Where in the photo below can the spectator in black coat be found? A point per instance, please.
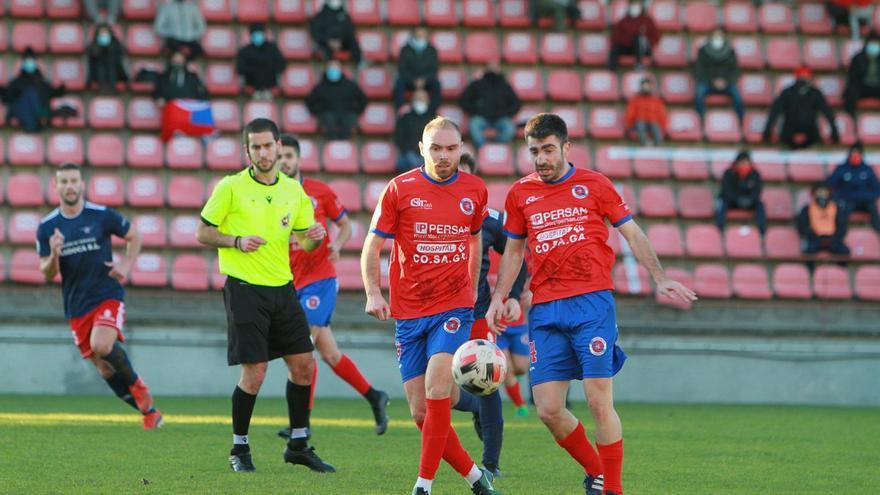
(333, 31)
(417, 68)
(408, 131)
(177, 82)
(855, 188)
(28, 96)
(716, 71)
(105, 60)
(816, 223)
(260, 63)
(559, 10)
(741, 189)
(336, 102)
(799, 105)
(863, 78)
(491, 103)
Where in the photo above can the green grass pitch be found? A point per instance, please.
(94, 445)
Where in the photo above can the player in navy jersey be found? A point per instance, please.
(74, 240)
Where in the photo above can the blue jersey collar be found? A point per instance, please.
(433, 181)
(564, 177)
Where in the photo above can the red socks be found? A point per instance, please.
(438, 418)
(513, 391)
(578, 446)
(348, 371)
(612, 459)
(314, 386)
(455, 454)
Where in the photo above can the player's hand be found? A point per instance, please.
(334, 253)
(118, 269)
(316, 232)
(525, 299)
(495, 316)
(377, 307)
(674, 290)
(250, 243)
(56, 241)
(512, 310)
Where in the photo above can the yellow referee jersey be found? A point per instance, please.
(242, 206)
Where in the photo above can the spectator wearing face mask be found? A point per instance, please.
(817, 223)
(181, 26)
(28, 96)
(863, 78)
(336, 101)
(716, 71)
(855, 188)
(417, 68)
(105, 60)
(333, 32)
(491, 103)
(260, 63)
(408, 131)
(741, 187)
(634, 34)
(646, 114)
(103, 11)
(175, 84)
(799, 105)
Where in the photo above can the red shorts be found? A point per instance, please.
(110, 313)
(480, 330)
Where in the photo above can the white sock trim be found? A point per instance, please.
(299, 433)
(423, 483)
(474, 475)
(239, 439)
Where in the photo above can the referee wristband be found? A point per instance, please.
(238, 242)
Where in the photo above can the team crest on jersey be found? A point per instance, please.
(452, 325)
(313, 302)
(285, 221)
(598, 346)
(467, 206)
(580, 191)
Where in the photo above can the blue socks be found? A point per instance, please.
(492, 423)
(119, 386)
(467, 403)
(119, 360)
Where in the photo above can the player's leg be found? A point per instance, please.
(609, 433)
(516, 349)
(114, 380)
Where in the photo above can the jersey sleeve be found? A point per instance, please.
(217, 207)
(612, 206)
(305, 213)
(334, 208)
(385, 218)
(115, 223)
(514, 221)
(482, 207)
(43, 235)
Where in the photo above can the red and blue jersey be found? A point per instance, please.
(309, 267)
(85, 279)
(564, 223)
(431, 223)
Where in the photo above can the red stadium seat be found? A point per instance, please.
(481, 47)
(258, 11)
(756, 89)
(863, 244)
(183, 231)
(777, 201)
(340, 157)
(564, 85)
(666, 15)
(365, 12)
(139, 9)
(221, 79)
(356, 241)
(218, 280)
(372, 193)
(308, 156)
(295, 44)
(528, 84)
(184, 152)
(149, 270)
(376, 82)
(792, 281)
(867, 282)
(813, 19)
(141, 39)
(152, 229)
(186, 191)
(189, 272)
(70, 72)
(65, 147)
(749, 53)
(4, 46)
(296, 118)
(631, 279)
(297, 80)
(700, 16)
(478, 13)
(845, 128)
(821, 54)
(783, 54)
(105, 189)
(684, 125)
(144, 152)
(453, 80)
(606, 123)
(703, 241)
(449, 47)
(689, 166)
(722, 126)
(495, 159)
(289, 11)
(378, 118)
(753, 126)
(25, 189)
(557, 48)
(666, 239)
(593, 49)
(670, 52)
(374, 45)
(592, 15)
(66, 37)
(831, 282)
(349, 193)
(226, 115)
(657, 200)
(497, 194)
(579, 155)
(782, 243)
(776, 18)
(105, 150)
(574, 119)
(869, 128)
(440, 13)
(677, 87)
(750, 282)
(216, 10)
(28, 34)
(832, 86)
(696, 202)
(224, 154)
(601, 85)
(806, 167)
(143, 64)
(25, 149)
(348, 273)
(25, 266)
(378, 157)
(457, 115)
(143, 113)
(403, 12)
(514, 13)
(106, 112)
(23, 227)
(743, 241)
(679, 275)
(25, 8)
(740, 17)
(520, 48)
(712, 281)
(260, 109)
(648, 164)
(613, 162)
(782, 82)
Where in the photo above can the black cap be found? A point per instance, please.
(743, 155)
(857, 146)
(257, 26)
(29, 52)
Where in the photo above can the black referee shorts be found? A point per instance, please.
(265, 323)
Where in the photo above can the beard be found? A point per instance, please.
(71, 202)
(550, 171)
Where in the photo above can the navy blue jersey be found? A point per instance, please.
(494, 238)
(85, 279)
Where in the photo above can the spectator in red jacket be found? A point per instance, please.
(634, 34)
(646, 113)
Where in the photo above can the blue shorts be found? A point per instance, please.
(516, 339)
(420, 338)
(574, 338)
(318, 300)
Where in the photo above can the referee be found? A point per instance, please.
(250, 217)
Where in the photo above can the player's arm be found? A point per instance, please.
(307, 232)
(511, 264)
(475, 248)
(645, 254)
(344, 225)
(310, 238)
(50, 265)
(371, 274)
(133, 242)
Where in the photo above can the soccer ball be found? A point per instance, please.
(479, 367)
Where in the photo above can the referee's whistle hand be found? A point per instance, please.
(378, 308)
(251, 243)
